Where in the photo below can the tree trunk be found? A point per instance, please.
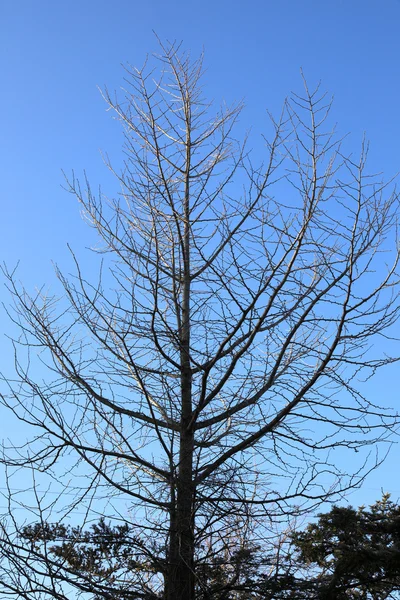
(180, 578)
(180, 570)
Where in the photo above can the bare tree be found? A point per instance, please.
(210, 373)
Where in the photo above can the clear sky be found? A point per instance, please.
(54, 54)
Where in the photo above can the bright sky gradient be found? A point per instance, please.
(54, 54)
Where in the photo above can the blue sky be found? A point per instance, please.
(54, 54)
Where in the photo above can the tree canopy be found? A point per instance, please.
(206, 385)
(353, 553)
(346, 554)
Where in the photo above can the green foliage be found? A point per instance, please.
(102, 553)
(352, 554)
(347, 554)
